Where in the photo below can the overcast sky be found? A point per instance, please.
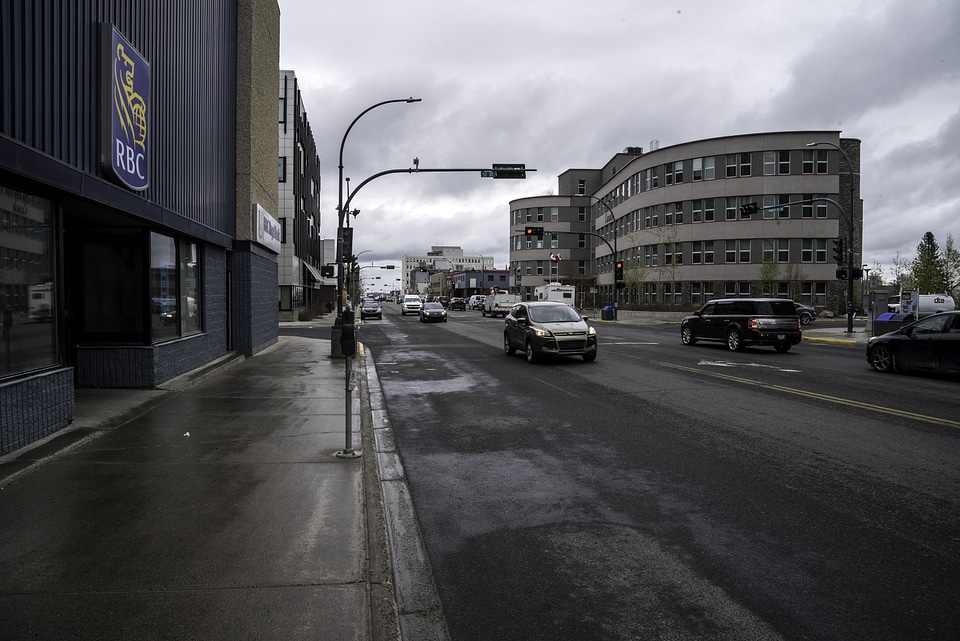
(565, 84)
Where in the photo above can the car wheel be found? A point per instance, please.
(881, 359)
(805, 319)
(590, 356)
(531, 355)
(782, 347)
(734, 340)
(686, 336)
(508, 349)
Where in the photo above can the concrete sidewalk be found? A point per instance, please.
(216, 508)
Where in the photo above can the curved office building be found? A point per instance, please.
(677, 218)
(138, 195)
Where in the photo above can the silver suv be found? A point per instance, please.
(548, 328)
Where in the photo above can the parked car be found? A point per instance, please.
(457, 303)
(433, 312)
(739, 322)
(806, 313)
(411, 305)
(931, 343)
(371, 309)
(548, 328)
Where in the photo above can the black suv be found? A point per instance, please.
(739, 322)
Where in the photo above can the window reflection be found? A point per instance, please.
(28, 292)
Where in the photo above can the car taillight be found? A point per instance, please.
(753, 323)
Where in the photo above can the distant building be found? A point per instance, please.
(298, 175)
(416, 269)
(673, 217)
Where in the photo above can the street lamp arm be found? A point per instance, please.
(343, 142)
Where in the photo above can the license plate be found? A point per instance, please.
(781, 337)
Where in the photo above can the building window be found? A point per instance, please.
(539, 214)
(730, 251)
(678, 213)
(767, 251)
(282, 169)
(678, 172)
(668, 174)
(806, 210)
(782, 201)
(697, 214)
(746, 167)
(783, 250)
(540, 267)
(821, 250)
(806, 251)
(554, 214)
(708, 252)
(582, 241)
(821, 161)
(730, 212)
(743, 253)
(29, 289)
(283, 110)
(821, 209)
(731, 165)
(696, 253)
(668, 214)
(581, 187)
(697, 169)
(678, 253)
(668, 254)
(709, 172)
(807, 165)
(708, 211)
(769, 163)
(582, 214)
(783, 164)
(730, 289)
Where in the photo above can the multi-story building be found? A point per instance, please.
(673, 218)
(138, 196)
(440, 258)
(298, 176)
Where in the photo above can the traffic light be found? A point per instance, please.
(842, 273)
(838, 253)
(510, 171)
(534, 231)
(747, 209)
(618, 271)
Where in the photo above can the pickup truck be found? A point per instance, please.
(499, 304)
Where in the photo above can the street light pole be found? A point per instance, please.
(850, 219)
(340, 210)
(616, 253)
(349, 375)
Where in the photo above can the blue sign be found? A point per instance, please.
(126, 99)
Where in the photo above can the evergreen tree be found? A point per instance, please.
(951, 259)
(929, 268)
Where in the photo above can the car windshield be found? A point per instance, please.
(554, 314)
(430, 306)
(371, 304)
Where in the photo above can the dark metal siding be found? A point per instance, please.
(50, 93)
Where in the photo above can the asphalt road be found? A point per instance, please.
(671, 492)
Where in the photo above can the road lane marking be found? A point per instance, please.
(821, 397)
(559, 389)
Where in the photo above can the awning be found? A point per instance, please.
(313, 271)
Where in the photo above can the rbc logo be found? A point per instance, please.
(128, 78)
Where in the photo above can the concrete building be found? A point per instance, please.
(138, 196)
(672, 216)
(440, 258)
(298, 174)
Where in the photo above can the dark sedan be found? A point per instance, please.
(457, 303)
(931, 344)
(433, 312)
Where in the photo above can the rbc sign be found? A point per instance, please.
(125, 100)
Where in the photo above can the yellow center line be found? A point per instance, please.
(821, 397)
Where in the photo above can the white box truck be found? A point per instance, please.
(920, 305)
(499, 304)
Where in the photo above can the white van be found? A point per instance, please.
(921, 305)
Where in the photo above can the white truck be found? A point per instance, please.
(920, 305)
(557, 292)
(499, 303)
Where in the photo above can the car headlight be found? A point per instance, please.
(541, 333)
(592, 331)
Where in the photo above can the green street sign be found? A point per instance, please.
(488, 173)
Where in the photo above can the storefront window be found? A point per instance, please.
(164, 286)
(28, 290)
(174, 288)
